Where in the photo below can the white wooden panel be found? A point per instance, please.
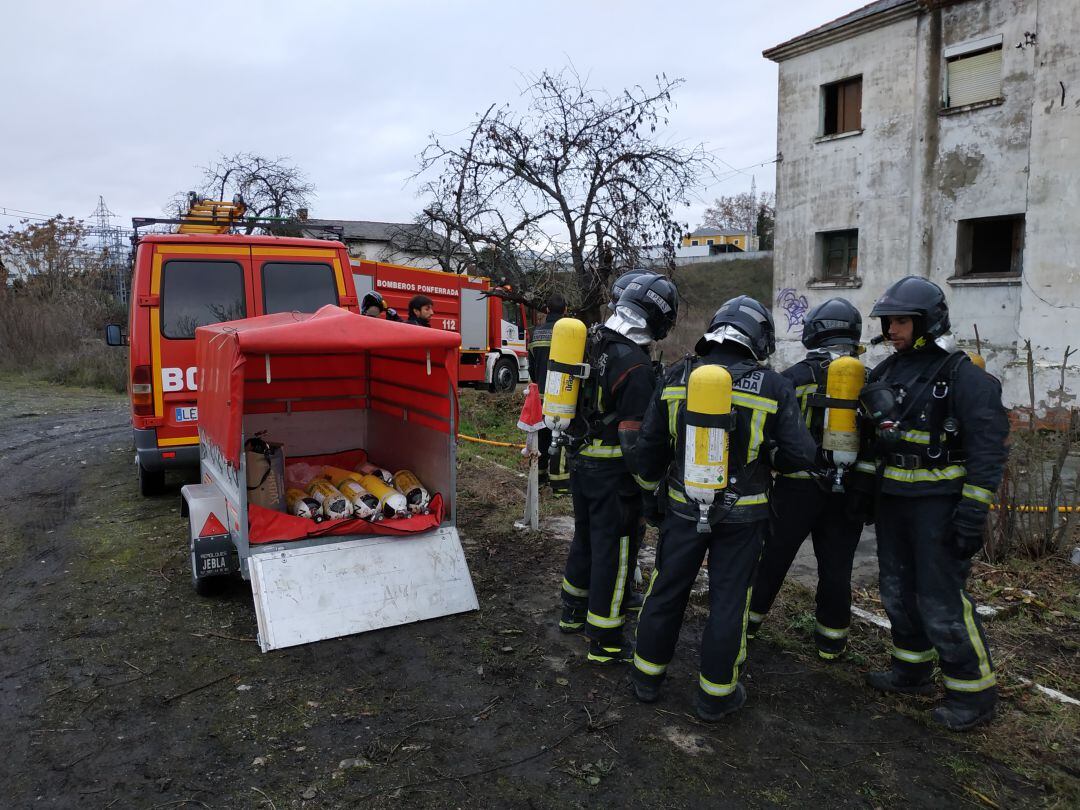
(306, 594)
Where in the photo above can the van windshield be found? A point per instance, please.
(297, 286)
(197, 293)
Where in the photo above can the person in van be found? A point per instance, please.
(374, 305)
(421, 308)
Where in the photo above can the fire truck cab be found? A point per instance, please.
(492, 329)
(199, 276)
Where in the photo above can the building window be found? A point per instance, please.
(990, 246)
(842, 106)
(839, 254)
(708, 241)
(973, 72)
(693, 242)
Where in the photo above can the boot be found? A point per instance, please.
(646, 687)
(710, 709)
(961, 711)
(752, 627)
(893, 681)
(603, 653)
(829, 649)
(573, 619)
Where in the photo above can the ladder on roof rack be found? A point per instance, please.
(211, 216)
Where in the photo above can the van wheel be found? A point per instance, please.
(150, 483)
(504, 377)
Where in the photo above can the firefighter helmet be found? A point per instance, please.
(652, 299)
(745, 321)
(918, 298)
(835, 322)
(372, 299)
(619, 287)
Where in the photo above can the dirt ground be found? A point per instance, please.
(119, 687)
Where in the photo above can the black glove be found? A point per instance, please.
(859, 507)
(651, 509)
(968, 523)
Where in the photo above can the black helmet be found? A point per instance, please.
(653, 298)
(619, 287)
(372, 299)
(918, 298)
(752, 327)
(835, 322)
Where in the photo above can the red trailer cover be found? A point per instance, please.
(322, 356)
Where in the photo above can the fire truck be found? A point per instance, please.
(492, 329)
(203, 274)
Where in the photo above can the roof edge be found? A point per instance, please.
(812, 41)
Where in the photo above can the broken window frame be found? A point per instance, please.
(970, 244)
(842, 245)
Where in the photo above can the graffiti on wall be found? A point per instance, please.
(794, 307)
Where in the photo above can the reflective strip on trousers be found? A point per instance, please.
(570, 589)
(913, 656)
(835, 633)
(620, 577)
(648, 486)
(648, 667)
(604, 622)
(976, 639)
(959, 685)
(598, 450)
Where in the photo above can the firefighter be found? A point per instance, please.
(619, 286)
(421, 308)
(805, 503)
(765, 430)
(934, 456)
(607, 500)
(374, 305)
(552, 467)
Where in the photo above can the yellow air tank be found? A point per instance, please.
(708, 409)
(978, 360)
(562, 386)
(844, 381)
(392, 502)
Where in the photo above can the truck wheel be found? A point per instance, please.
(504, 377)
(150, 483)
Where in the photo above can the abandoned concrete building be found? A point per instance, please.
(938, 138)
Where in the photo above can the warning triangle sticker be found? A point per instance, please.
(212, 526)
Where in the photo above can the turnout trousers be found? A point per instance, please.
(801, 508)
(922, 589)
(733, 550)
(600, 565)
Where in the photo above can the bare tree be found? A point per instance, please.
(270, 187)
(742, 212)
(578, 176)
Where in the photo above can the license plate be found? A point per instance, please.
(188, 414)
(214, 563)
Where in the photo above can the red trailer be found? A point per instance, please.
(333, 388)
(493, 330)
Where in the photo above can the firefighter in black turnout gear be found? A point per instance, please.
(768, 432)
(805, 503)
(553, 469)
(934, 456)
(607, 499)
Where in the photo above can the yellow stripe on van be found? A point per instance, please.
(338, 278)
(175, 441)
(202, 250)
(321, 253)
(155, 337)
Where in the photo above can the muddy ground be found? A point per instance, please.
(119, 687)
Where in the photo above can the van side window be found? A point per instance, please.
(297, 287)
(197, 293)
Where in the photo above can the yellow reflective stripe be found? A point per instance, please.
(755, 402)
(757, 434)
(648, 667)
(716, 689)
(570, 589)
(596, 449)
(745, 500)
(604, 621)
(913, 656)
(675, 392)
(675, 495)
(648, 486)
(620, 577)
(960, 685)
(558, 476)
(950, 473)
(803, 390)
(915, 436)
(742, 639)
(975, 638)
(802, 474)
(979, 494)
(536, 343)
(835, 633)
(865, 466)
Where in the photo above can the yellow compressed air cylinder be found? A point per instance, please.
(844, 380)
(705, 468)
(392, 502)
(561, 388)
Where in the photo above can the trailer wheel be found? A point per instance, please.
(206, 586)
(150, 483)
(504, 377)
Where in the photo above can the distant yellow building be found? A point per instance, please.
(708, 236)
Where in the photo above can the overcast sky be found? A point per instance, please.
(128, 100)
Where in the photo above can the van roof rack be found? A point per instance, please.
(222, 225)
